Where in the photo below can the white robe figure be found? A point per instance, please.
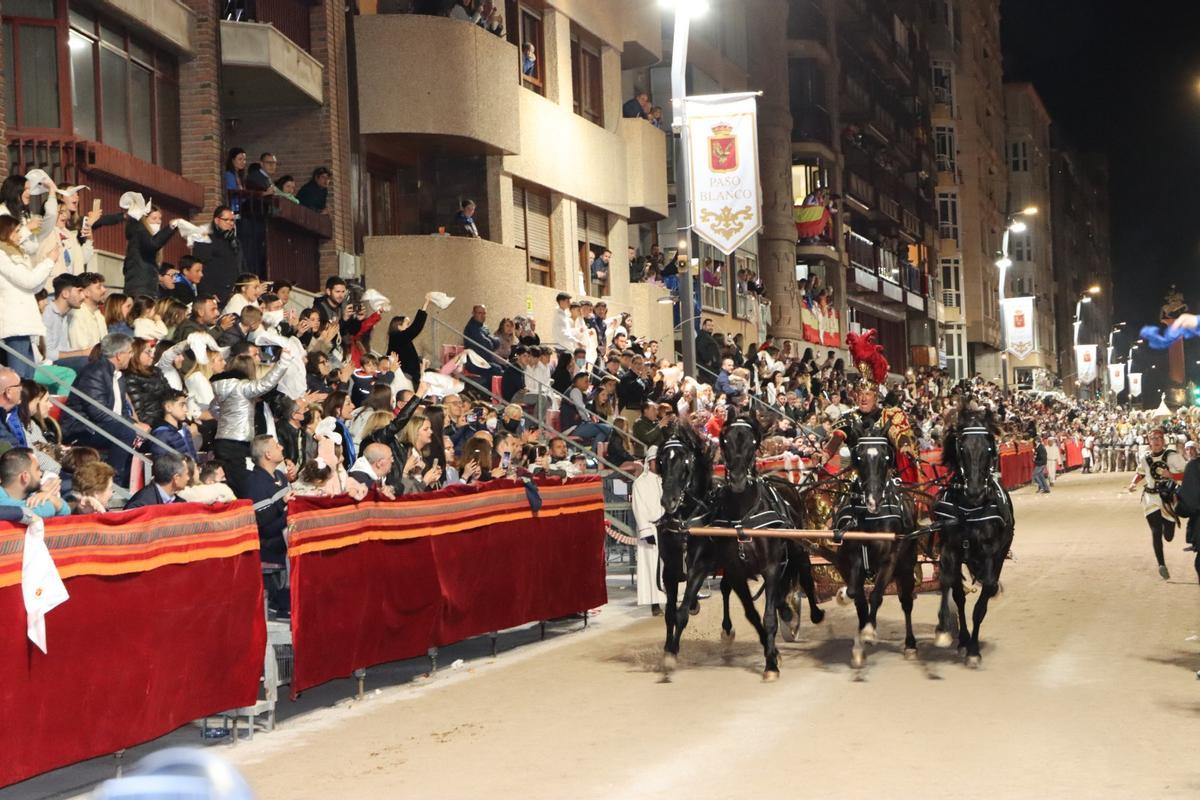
(647, 509)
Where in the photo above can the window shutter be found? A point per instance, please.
(538, 224)
(519, 217)
(597, 225)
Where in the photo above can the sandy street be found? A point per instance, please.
(1087, 689)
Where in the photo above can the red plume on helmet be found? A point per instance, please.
(868, 358)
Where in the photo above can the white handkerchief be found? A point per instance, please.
(41, 586)
(441, 300)
(37, 181)
(442, 385)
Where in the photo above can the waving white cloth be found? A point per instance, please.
(38, 179)
(41, 585)
(193, 234)
(376, 302)
(441, 299)
(135, 205)
(327, 430)
(294, 382)
(441, 385)
(71, 191)
(201, 343)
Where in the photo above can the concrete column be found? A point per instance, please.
(556, 35)
(777, 241)
(199, 108)
(499, 202)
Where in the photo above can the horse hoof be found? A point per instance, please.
(910, 654)
(728, 636)
(943, 640)
(974, 661)
(669, 662)
(868, 633)
(695, 609)
(856, 658)
(789, 630)
(843, 597)
(962, 651)
(770, 675)
(817, 616)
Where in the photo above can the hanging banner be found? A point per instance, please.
(1135, 384)
(721, 131)
(1116, 378)
(1018, 326)
(1085, 363)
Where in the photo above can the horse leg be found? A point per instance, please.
(882, 578)
(771, 624)
(696, 575)
(671, 589)
(960, 600)
(805, 577)
(727, 634)
(906, 584)
(855, 580)
(990, 579)
(950, 571)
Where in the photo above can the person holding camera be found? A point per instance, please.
(1160, 471)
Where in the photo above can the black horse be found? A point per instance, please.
(875, 503)
(744, 501)
(977, 524)
(685, 465)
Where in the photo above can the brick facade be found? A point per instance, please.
(199, 107)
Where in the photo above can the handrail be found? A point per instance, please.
(97, 404)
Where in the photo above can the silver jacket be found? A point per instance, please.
(233, 403)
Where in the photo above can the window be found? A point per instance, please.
(591, 233)
(528, 30)
(531, 232)
(943, 82)
(955, 344)
(951, 283)
(1018, 156)
(714, 279)
(124, 93)
(742, 307)
(1020, 248)
(806, 179)
(31, 65)
(948, 215)
(946, 148)
(586, 79)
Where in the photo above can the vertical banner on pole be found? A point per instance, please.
(1116, 378)
(721, 131)
(1085, 362)
(1135, 384)
(1018, 326)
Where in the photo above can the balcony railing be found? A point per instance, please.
(290, 17)
(289, 240)
(812, 124)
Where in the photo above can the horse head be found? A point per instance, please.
(975, 453)
(874, 461)
(739, 448)
(676, 467)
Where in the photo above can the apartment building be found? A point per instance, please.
(1030, 246)
(447, 111)
(1082, 254)
(861, 93)
(969, 138)
(148, 95)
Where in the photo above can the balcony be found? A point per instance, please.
(169, 21)
(450, 80)
(812, 131)
(808, 30)
(642, 35)
(292, 236)
(645, 170)
(261, 67)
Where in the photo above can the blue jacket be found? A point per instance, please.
(725, 387)
(176, 438)
(45, 509)
(477, 337)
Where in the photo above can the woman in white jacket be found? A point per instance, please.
(75, 258)
(19, 280)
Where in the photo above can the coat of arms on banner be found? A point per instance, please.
(722, 149)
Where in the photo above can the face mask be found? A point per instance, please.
(272, 318)
(580, 363)
(154, 228)
(491, 424)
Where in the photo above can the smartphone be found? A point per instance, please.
(506, 460)
(96, 206)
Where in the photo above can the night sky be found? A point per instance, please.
(1122, 79)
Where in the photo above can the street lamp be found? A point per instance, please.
(1012, 224)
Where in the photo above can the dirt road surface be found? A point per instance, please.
(1086, 689)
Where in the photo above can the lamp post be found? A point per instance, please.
(1084, 297)
(1013, 223)
(684, 11)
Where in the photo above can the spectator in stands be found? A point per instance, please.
(146, 383)
(656, 118)
(577, 419)
(92, 488)
(222, 255)
(235, 392)
(528, 60)
(401, 338)
(464, 220)
(88, 325)
(172, 427)
(104, 382)
(235, 177)
(564, 324)
(78, 252)
(397, 436)
(187, 281)
(268, 487)
(599, 323)
(207, 485)
(23, 484)
(260, 176)
(332, 307)
(638, 106)
(708, 353)
(21, 320)
(168, 274)
(170, 475)
(41, 430)
(68, 296)
(11, 432)
(315, 193)
(246, 291)
(15, 198)
(117, 308)
(479, 339)
(203, 319)
(373, 468)
(144, 238)
(600, 271)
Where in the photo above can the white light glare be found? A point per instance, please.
(1017, 226)
(695, 8)
(1004, 263)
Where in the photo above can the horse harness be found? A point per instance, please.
(995, 507)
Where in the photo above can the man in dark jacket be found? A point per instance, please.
(222, 257)
(512, 381)
(1039, 468)
(1188, 504)
(170, 474)
(478, 339)
(708, 354)
(187, 282)
(648, 430)
(315, 193)
(205, 313)
(268, 488)
(332, 308)
(104, 381)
